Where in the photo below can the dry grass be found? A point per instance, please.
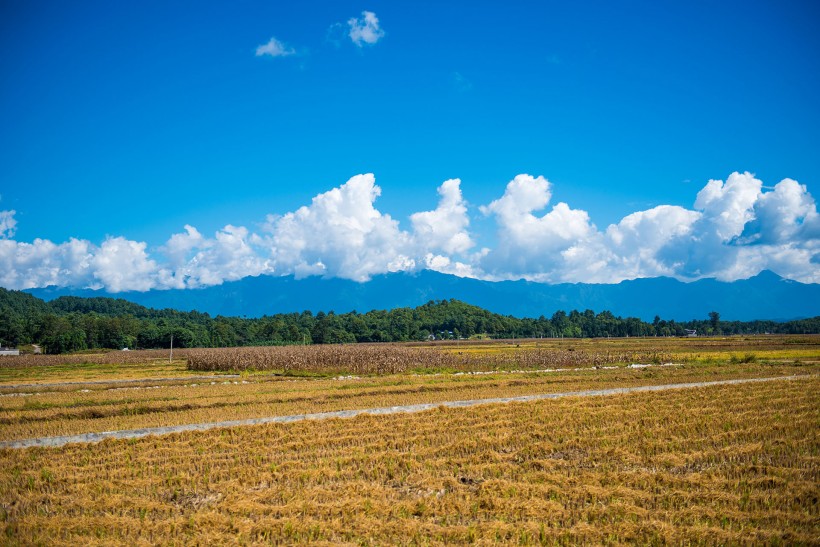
(91, 372)
(718, 465)
(101, 358)
(71, 409)
(728, 465)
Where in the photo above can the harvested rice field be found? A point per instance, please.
(714, 464)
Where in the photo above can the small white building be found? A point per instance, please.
(9, 351)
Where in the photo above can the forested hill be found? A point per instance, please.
(72, 323)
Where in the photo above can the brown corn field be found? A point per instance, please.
(397, 358)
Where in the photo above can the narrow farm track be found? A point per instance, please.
(144, 432)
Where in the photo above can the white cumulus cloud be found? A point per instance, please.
(446, 265)
(531, 246)
(729, 206)
(7, 224)
(735, 229)
(445, 228)
(788, 214)
(43, 263)
(196, 261)
(744, 229)
(365, 29)
(274, 48)
(637, 240)
(123, 265)
(340, 234)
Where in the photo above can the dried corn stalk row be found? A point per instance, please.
(357, 359)
(393, 358)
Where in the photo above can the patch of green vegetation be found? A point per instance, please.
(306, 374)
(433, 370)
(747, 358)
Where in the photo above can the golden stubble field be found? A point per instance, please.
(720, 464)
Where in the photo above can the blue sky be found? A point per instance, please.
(123, 122)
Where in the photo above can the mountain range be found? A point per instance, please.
(765, 296)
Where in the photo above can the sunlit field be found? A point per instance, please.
(716, 464)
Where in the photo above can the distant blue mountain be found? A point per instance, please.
(766, 296)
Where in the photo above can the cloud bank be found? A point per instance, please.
(735, 229)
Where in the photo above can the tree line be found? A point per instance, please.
(72, 323)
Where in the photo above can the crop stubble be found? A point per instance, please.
(729, 464)
(733, 464)
(33, 412)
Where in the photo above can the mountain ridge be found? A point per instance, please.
(765, 296)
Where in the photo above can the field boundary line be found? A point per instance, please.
(129, 381)
(405, 409)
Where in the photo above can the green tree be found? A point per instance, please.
(714, 322)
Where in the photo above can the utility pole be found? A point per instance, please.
(171, 356)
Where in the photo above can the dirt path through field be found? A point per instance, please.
(137, 433)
